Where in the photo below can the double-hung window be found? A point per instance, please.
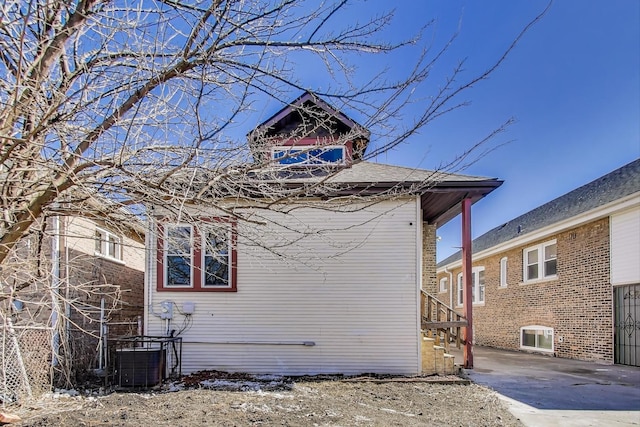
(216, 256)
(201, 258)
(540, 261)
(443, 284)
(503, 272)
(178, 258)
(108, 245)
(477, 285)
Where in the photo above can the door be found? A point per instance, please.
(627, 325)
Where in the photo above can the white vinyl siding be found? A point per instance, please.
(625, 247)
(349, 286)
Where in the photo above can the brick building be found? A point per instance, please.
(562, 279)
(86, 284)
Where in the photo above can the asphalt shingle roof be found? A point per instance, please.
(377, 172)
(370, 173)
(620, 183)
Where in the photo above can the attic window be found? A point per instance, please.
(309, 156)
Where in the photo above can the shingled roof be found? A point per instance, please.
(616, 185)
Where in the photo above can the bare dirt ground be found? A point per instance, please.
(240, 400)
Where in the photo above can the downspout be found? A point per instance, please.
(419, 270)
(466, 278)
(55, 289)
(67, 290)
(148, 285)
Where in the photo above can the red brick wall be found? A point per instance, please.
(92, 278)
(578, 305)
(89, 278)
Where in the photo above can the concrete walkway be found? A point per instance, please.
(549, 391)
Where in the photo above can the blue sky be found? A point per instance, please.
(572, 85)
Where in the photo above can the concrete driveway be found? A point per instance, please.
(548, 391)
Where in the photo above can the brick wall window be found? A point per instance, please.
(536, 337)
(503, 272)
(443, 284)
(199, 258)
(108, 245)
(477, 285)
(540, 262)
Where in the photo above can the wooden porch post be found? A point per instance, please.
(466, 277)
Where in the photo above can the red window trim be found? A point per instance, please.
(196, 269)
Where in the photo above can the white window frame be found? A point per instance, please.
(477, 287)
(104, 238)
(541, 262)
(307, 149)
(166, 255)
(546, 330)
(443, 284)
(204, 254)
(503, 272)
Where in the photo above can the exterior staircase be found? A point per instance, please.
(441, 326)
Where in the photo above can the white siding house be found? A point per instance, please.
(341, 302)
(326, 281)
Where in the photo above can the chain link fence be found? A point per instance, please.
(25, 362)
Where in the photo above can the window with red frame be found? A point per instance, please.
(199, 258)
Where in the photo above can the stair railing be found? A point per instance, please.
(441, 319)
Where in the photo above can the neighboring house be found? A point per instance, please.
(562, 279)
(326, 280)
(90, 287)
(106, 276)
